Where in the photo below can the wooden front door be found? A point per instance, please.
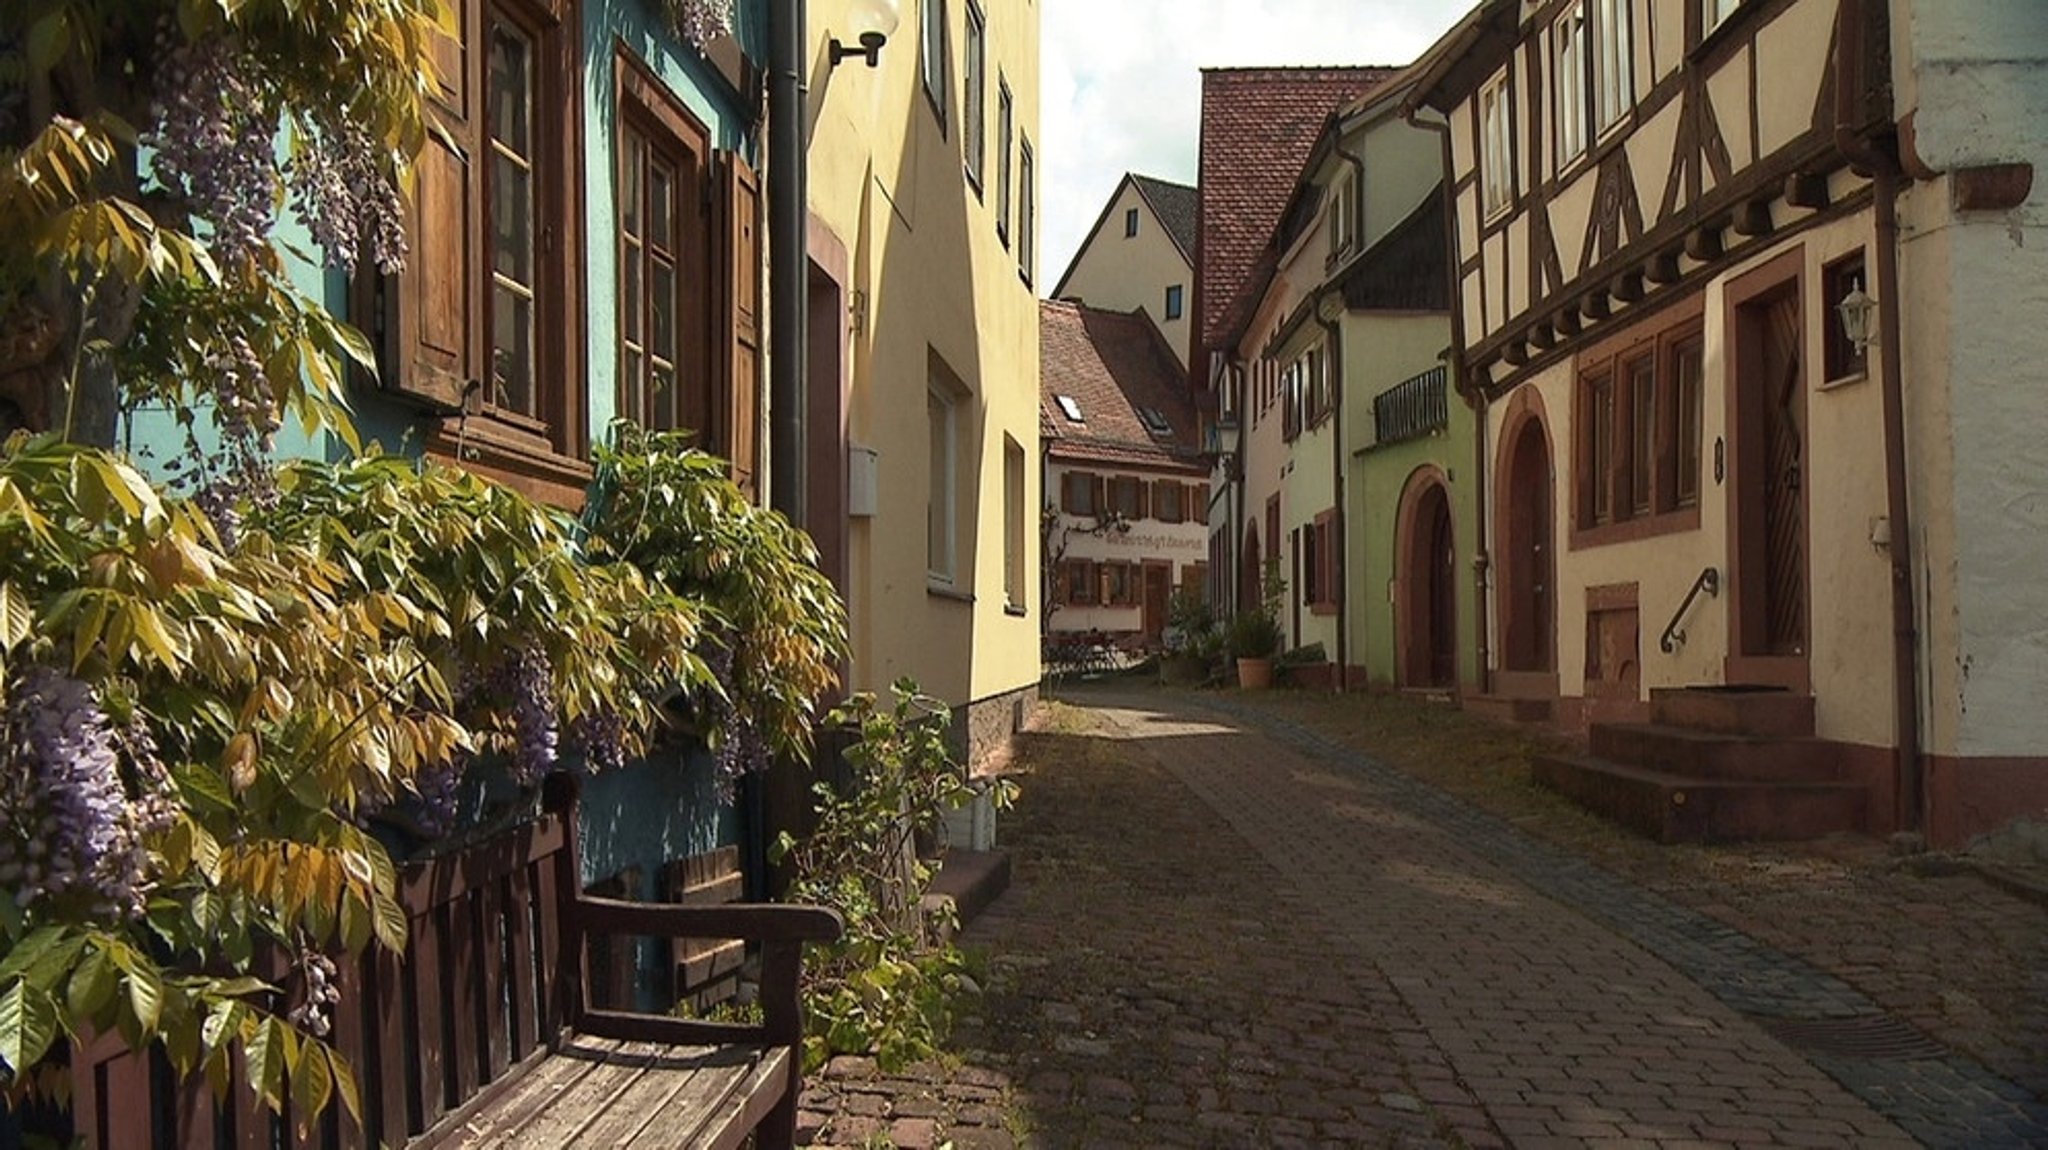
(1443, 616)
(1531, 622)
(1158, 589)
(1770, 600)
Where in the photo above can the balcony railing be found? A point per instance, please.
(1412, 408)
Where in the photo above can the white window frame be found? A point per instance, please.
(1568, 39)
(1496, 146)
(1613, 63)
(932, 54)
(1343, 214)
(1713, 13)
(942, 499)
(974, 102)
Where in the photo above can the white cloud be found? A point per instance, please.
(1121, 86)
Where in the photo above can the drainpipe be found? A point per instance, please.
(788, 259)
(1852, 60)
(1334, 364)
(1454, 360)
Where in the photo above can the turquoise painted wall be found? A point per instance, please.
(666, 807)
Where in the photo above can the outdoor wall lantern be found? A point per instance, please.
(871, 22)
(1859, 316)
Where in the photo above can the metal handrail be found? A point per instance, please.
(1710, 582)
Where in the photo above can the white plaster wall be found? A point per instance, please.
(1975, 294)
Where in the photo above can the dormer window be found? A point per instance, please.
(1069, 408)
(1155, 422)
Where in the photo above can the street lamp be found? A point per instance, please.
(871, 22)
(1859, 316)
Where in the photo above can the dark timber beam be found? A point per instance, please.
(1753, 218)
(1661, 268)
(1703, 243)
(1806, 190)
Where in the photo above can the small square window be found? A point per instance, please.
(1130, 222)
(1174, 305)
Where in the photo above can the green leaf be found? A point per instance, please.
(312, 1081)
(145, 991)
(92, 984)
(389, 921)
(345, 1083)
(28, 1025)
(267, 1052)
(17, 618)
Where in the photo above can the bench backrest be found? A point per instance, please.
(480, 990)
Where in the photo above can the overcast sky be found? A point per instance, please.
(1122, 86)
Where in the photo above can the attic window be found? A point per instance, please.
(1070, 409)
(1155, 422)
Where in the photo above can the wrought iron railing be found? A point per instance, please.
(1412, 408)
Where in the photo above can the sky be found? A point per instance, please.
(1121, 86)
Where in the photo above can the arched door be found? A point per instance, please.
(1428, 621)
(1529, 609)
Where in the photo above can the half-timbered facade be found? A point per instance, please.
(1701, 487)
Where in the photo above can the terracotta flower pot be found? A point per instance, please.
(1254, 674)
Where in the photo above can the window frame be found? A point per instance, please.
(1568, 86)
(974, 100)
(1841, 361)
(933, 58)
(1613, 64)
(1133, 509)
(1343, 216)
(1014, 541)
(1130, 222)
(1495, 110)
(1714, 13)
(1178, 513)
(1176, 301)
(1617, 495)
(1027, 209)
(1082, 574)
(1005, 133)
(1083, 481)
(942, 495)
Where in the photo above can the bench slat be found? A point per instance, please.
(702, 1078)
(722, 1123)
(604, 1073)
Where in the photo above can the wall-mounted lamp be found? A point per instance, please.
(1859, 316)
(871, 22)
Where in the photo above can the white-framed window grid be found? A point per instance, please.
(1568, 81)
(1613, 62)
(1713, 12)
(1496, 146)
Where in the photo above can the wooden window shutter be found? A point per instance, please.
(740, 305)
(430, 317)
(1101, 494)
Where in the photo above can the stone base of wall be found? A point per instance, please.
(1968, 797)
(983, 729)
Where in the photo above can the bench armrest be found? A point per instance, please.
(754, 922)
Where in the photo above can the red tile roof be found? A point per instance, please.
(1112, 364)
(1258, 125)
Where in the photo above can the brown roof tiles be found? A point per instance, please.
(1112, 365)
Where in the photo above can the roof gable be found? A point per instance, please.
(1112, 366)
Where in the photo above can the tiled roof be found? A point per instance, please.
(1258, 125)
(1112, 365)
(1177, 207)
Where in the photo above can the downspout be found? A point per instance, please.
(1334, 364)
(788, 259)
(1852, 60)
(1474, 398)
(788, 327)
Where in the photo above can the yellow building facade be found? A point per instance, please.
(924, 350)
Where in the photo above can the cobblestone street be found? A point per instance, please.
(1229, 927)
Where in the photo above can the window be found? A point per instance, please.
(974, 103)
(1613, 61)
(940, 502)
(1712, 12)
(1119, 589)
(1130, 222)
(1169, 501)
(1069, 408)
(667, 361)
(932, 56)
(1568, 81)
(1003, 128)
(1639, 412)
(1842, 358)
(1081, 581)
(1343, 215)
(1323, 564)
(1013, 523)
(1311, 565)
(1127, 497)
(1027, 202)
(1155, 422)
(1080, 493)
(1496, 145)
(1173, 301)
(503, 158)
(1320, 399)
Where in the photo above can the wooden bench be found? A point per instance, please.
(483, 1035)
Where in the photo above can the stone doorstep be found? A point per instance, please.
(968, 881)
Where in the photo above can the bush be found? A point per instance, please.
(888, 985)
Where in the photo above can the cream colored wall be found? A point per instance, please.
(886, 179)
(1123, 273)
(1402, 165)
(1848, 578)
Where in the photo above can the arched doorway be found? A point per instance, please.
(1528, 604)
(1426, 620)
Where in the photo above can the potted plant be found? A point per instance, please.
(1191, 638)
(1255, 634)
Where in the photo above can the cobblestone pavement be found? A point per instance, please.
(1230, 930)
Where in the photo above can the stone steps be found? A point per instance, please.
(1676, 808)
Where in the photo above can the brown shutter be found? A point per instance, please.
(429, 317)
(1069, 483)
(1101, 493)
(740, 313)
